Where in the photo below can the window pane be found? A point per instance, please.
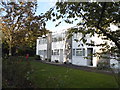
(52, 39)
(56, 52)
(83, 51)
(73, 52)
(39, 52)
(79, 52)
(55, 39)
(52, 52)
(45, 52)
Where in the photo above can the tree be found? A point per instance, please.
(20, 26)
(96, 17)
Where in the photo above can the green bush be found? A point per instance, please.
(37, 57)
(103, 66)
(16, 74)
(56, 61)
(46, 59)
(49, 60)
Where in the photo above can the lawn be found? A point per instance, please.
(49, 76)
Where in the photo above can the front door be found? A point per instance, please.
(90, 56)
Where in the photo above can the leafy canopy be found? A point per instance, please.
(95, 16)
(20, 25)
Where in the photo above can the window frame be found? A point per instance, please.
(74, 52)
(81, 50)
(56, 52)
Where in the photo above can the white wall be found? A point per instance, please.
(78, 60)
(37, 46)
(55, 57)
(41, 47)
(58, 45)
(95, 61)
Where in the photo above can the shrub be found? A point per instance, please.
(64, 62)
(70, 63)
(67, 62)
(46, 59)
(56, 61)
(16, 74)
(49, 60)
(37, 57)
(102, 65)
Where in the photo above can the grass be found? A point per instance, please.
(49, 76)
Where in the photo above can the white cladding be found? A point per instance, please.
(76, 53)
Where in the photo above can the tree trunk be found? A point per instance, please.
(10, 46)
(10, 50)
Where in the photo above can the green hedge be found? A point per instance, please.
(16, 74)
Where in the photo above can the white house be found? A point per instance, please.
(55, 46)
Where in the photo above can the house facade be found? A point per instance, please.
(56, 46)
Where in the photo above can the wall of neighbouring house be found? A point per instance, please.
(76, 48)
(41, 49)
(57, 46)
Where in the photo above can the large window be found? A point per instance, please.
(80, 52)
(77, 36)
(56, 52)
(41, 52)
(83, 51)
(39, 41)
(57, 38)
(43, 41)
(52, 52)
(54, 39)
(60, 39)
(45, 52)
